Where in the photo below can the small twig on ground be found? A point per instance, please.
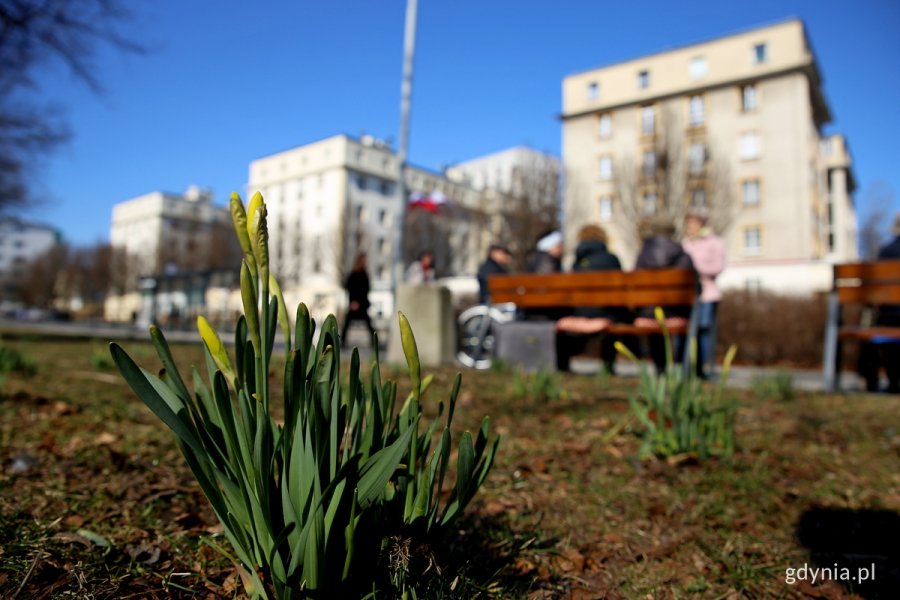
(34, 563)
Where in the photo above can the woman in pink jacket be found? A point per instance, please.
(707, 251)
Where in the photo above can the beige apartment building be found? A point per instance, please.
(165, 233)
(330, 199)
(734, 125)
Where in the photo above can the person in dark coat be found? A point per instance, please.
(357, 286)
(495, 264)
(874, 355)
(661, 251)
(548, 254)
(591, 254)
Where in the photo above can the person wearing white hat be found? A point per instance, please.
(548, 255)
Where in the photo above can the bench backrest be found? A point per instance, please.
(632, 289)
(868, 282)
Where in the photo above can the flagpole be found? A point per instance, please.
(409, 45)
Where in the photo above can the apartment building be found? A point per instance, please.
(165, 233)
(734, 125)
(524, 185)
(331, 199)
(20, 243)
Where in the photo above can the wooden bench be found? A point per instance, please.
(666, 288)
(867, 284)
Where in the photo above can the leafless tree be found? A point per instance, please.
(124, 271)
(531, 205)
(37, 286)
(425, 230)
(873, 232)
(32, 33)
(675, 173)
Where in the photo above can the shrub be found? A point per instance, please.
(306, 504)
(13, 361)
(779, 386)
(774, 329)
(678, 413)
(540, 386)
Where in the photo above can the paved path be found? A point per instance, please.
(741, 376)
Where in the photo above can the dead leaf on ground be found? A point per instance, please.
(72, 538)
(104, 439)
(569, 561)
(74, 521)
(524, 566)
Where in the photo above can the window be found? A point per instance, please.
(697, 157)
(606, 167)
(385, 187)
(752, 240)
(605, 126)
(648, 120)
(649, 163)
(760, 54)
(698, 67)
(605, 208)
(382, 216)
(384, 246)
(696, 110)
(749, 145)
(748, 98)
(649, 202)
(698, 198)
(643, 79)
(750, 192)
(593, 91)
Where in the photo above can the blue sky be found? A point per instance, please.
(224, 82)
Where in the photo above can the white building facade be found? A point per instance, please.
(331, 199)
(745, 113)
(165, 232)
(20, 243)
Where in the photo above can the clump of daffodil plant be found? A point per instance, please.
(679, 415)
(305, 504)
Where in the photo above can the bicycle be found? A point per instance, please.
(476, 327)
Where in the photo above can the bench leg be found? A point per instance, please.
(829, 352)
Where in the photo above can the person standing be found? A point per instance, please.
(873, 355)
(421, 270)
(495, 264)
(357, 286)
(707, 252)
(548, 254)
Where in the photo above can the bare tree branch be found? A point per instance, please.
(32, 33)
(675, 173)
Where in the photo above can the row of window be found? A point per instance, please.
(750, 148)
(696, 112)
(750, 198)
(752, 235)
(382, 186)
(383, 217)
(698, 68)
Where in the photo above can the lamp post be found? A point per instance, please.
(409, 46)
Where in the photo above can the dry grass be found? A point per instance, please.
(95, 500)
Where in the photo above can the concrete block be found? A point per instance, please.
(430, 312)
(530, 345)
